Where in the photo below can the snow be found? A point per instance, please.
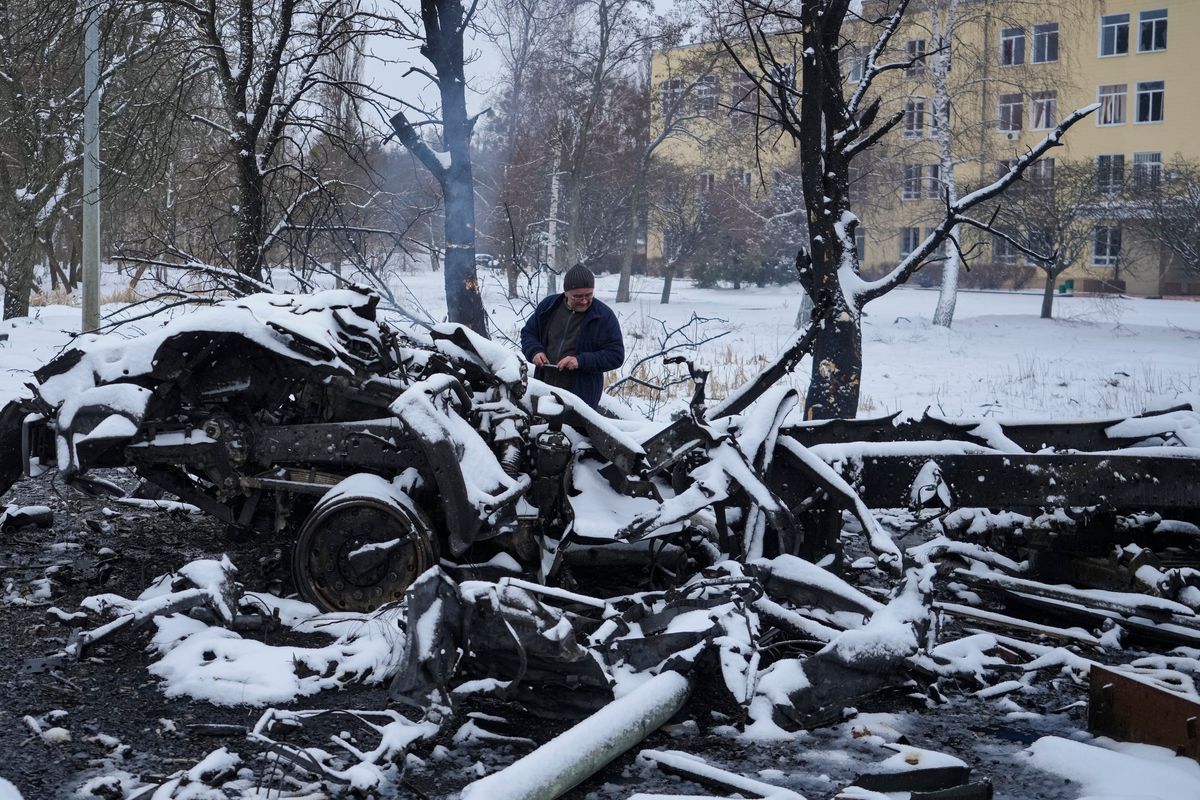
(1114, 771)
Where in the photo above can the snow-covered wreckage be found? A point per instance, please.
(529, 541)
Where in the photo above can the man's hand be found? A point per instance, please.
(570, 362)
(541, 360)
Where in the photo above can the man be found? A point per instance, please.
(573, 338)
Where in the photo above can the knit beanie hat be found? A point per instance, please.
(579, 277)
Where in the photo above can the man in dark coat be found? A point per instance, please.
(573, 338)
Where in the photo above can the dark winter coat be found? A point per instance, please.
(599, 347)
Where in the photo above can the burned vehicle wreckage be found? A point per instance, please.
(547, 544)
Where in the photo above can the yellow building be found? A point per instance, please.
(1017, 68)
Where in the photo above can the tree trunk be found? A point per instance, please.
(668, 279)
(464, 301)
(250, 219)
(631, 230)
(19, 280)
(943, 39)
(836, 365)
(1048, 294)
(943, 315)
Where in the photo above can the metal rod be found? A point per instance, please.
(580, 752)
(91, 167)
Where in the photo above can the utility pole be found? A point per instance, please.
(552, 247)
(91, 167)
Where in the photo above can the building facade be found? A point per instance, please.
(1015, 70)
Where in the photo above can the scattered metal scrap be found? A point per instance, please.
(1126, 708)
(559, 557)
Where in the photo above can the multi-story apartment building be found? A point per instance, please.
(1016, 69)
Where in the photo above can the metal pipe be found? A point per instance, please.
(91, 167)
(580, 752)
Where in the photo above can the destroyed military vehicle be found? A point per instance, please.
(381, 455)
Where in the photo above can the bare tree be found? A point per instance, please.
(606, 37)
(276, 87)
(41, 114)
(1167, 208)
(677, 113)
(830, 131)
(440, 28)
(1050, 218)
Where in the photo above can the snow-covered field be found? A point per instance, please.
(1100, 357)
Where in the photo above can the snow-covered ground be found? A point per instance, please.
(1100, 357)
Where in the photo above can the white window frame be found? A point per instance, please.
(1043, 108)
(916, 49)
(743, 96)
(1041, 172)
(1119, 95)
(1109, 258)
(1147, 170)
(1115, 24)
(914, 110)
(910, 184)
(1016, 52)
(671, 90)
(1017, 105)
(1110, 179)
(932, 182)
(708, 92)
(1137, 102)
(913, 244)
(1004, 252)
(1153, 22)
(706, 182)
(1049, 31)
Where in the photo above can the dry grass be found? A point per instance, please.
(57, 297)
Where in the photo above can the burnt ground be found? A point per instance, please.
(121, 724)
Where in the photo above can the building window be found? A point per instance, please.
(1003, 251)
(1012, 47)
(672, 90)
(1012, 112)
(1110, 173)
(855, 66)
(854, 176)
(706, 182)
(1004, 166)
(1106, 246)
(914, 119)
(785, 75)
(1152, 31)
(910, 187)
(916, 57)
(1147, 170)
(1045, 43)
(1045, 110)
(1112, 104)
(743, 98)
(707, 89)
(1150, 96)
(860, 243)
(1041, 172)
(1114, 34)
(910, 240)
(933, 181)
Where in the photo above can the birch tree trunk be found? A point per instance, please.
(943, 37)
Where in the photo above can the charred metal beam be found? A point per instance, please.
(1127, 709)
(1142, 483)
